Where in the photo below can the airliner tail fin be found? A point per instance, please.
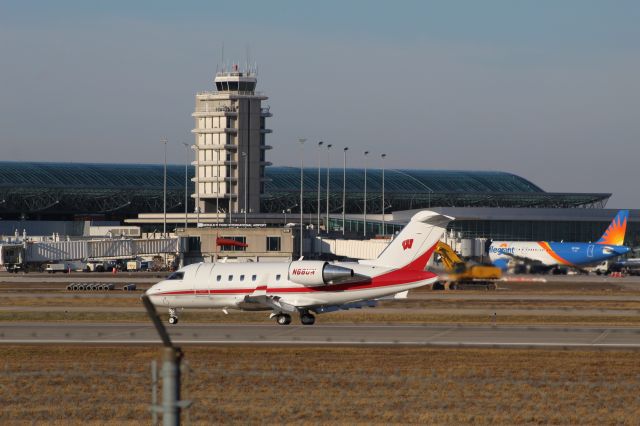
(614, 235)
(414, 245)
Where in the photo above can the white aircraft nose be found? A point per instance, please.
(152, 290)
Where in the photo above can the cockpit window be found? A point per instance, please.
(176, 276)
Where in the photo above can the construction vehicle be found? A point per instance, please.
(461, 274)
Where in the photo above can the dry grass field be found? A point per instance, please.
(257, 385)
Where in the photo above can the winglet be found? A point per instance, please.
(614, 235)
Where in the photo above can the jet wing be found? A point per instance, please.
(520, 258)
(259, 300)
(371, 303)
(529, 261)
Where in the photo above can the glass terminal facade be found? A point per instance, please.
(412, 189)
(67, 191)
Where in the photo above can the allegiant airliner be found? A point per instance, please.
(576, 255)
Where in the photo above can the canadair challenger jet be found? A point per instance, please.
(574, 255)
(307, 287)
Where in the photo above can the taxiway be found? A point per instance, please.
(370, 334)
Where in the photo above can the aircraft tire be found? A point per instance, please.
(307, 319)
(173, 320)
(283, 319)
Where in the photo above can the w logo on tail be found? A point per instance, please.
(407, 244)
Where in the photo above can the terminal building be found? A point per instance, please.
(231, 184)
(59, 197)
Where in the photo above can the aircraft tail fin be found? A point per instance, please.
(614, 235)
(413, 246)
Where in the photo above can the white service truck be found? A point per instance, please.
(52, 268)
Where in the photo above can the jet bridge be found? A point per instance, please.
(33, 252)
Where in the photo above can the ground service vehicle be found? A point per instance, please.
(52, 268)
(134, 265)
(462, 274)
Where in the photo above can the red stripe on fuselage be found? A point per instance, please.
(366, 285)
(410, 273)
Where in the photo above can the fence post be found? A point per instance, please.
(171, 387)
(154, 392)
(171, 356)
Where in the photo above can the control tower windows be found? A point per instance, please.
(235, 86)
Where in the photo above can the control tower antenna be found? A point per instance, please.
(222, 58)
(247, 53)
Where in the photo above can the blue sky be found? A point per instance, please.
(545, 89)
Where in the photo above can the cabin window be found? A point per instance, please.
(254, 277)
(241, 277)
(219, 278)
(230, 278)
(176, 276)
(278, 277)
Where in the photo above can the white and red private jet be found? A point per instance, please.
(307, 286)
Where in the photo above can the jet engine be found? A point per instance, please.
(316, 272)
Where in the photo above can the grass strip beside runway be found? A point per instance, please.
(356, 317)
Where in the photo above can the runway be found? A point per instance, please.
(495, 336)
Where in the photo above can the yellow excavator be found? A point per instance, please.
(462, 274)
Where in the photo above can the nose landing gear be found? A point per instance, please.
(173, 316)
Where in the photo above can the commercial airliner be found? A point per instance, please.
(577, 255)
(307, 287)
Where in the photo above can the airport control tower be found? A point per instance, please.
(230, 144)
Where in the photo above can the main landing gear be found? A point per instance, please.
(285, 319)
(173, 316)
(307, 319)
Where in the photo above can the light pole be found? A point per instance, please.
(344, 186)
(244, 156)
(287, 210)
(328, 152)
(197, 185)
(319, 147)
(301, 140)
(383, 222)
(365, 193)
(164, 190)
(186, 160)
